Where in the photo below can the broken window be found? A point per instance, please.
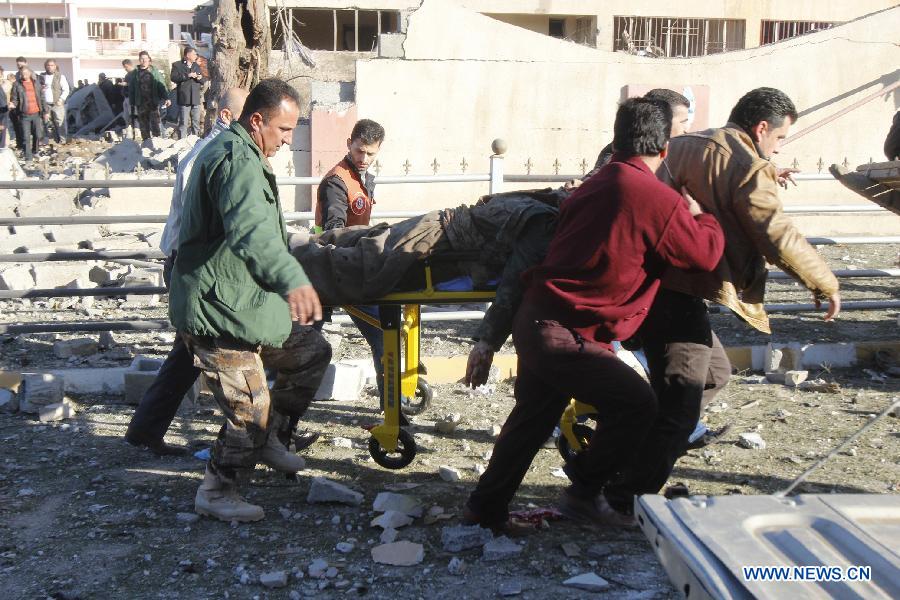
(34, 27)
(347, 30)
(122, 32)
(557, 28)
(775, 31)
(677, 37)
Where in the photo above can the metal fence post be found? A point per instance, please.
(499, 148)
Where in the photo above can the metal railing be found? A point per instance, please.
(495, 179)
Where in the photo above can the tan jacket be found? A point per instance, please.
(723, 171)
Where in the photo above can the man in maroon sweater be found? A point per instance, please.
(616, 235)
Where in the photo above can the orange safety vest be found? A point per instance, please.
(359, 204)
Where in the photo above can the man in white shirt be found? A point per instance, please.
(55, 89)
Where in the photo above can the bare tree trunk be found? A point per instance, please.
(242, 42)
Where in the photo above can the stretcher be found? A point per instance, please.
(405, 389)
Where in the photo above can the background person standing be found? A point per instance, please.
(146, 91)
(55, 89)
(28, 103)
(186, 74)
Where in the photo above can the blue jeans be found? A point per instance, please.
(375, 338)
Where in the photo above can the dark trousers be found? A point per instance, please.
(375, 338)
(190, 120)
(4, 132)
(32, 132)
(554, 365)
(688, 366)
(16, 123)
(148, 119)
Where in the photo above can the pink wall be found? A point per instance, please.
(328, 133)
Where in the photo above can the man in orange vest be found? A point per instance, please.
(345, 198)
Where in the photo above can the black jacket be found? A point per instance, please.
(18, 96)
(892, 142)
(188, 93)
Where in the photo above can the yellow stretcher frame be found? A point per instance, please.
(400, 321)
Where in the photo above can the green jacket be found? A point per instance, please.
(233, 266)
(161, 92)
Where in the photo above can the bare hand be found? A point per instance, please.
(785, 175)
(168, 103)
(834, 306)
(572, 184)
(304, 304)
(692, 204)
(479, 366)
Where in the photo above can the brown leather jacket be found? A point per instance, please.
(724, 172)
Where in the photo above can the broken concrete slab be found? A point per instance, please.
(448, 423)
(391, 519)
(75, 347)
(752, 441)
(464, 537)
(399, 554)
(342, 382)
(56, 412)
(18, 277)
(9, 166)
(73, 234)
(274, 579)
(323, 490)
(46, 203)
(124, 157)
(9, 401)
(500, 548)
(407, 505)
(138, 378)
(449, 474)
(589, 582)
(390, 45)
(52, 275)
(39, 389)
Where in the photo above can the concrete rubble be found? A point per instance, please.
(399, 554)
(449, 474)
(448, 423)
(324, 490)
(407, 505)
(464, 537)
(456, 566)
(500, 548)
(75, 347)
(391, 519)
(36, 391)
(589, 582)
(274, 579)
(752, 441)
(58, 411)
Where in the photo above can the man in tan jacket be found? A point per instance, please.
(729, 172)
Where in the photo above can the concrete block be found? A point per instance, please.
(9, 165)
(501, 548)
(391, 520)
(56, 412)
(46, 203)
(390, 45)
(324, 490)
(107, 380)
(342, 382)
(399, 554)
(464, 537)
(9, 401)
(274, 579)
(449, 474)
(75, 347)
(141, 375)
(106, 273)
(143, 279)
(16, 278)
(408, 505)
(752, 441)
(325, 92)
(52, 275)
(121, 158)
(831, 355)
(40, 389)
(73, 234)
(122, 243)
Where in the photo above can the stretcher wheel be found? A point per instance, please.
(582, 433)
(419, 404)
(399, 458)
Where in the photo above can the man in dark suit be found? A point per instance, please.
(187, 76)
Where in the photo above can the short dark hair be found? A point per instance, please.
(188, 49)
(127, 61)
(642, 127)
(144, 53)
(763, 104)
(368, 132)
(22, 59)
(266, 98)
(671, 97)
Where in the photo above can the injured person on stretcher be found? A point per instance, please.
(494, 240)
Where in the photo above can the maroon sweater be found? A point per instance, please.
(616, 234)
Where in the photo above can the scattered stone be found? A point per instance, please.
(399, 554)
(494, 430)
(318, 568)
(590, 582)
(75, 347)
(599, 550)
(186, 517)
(345, 547)
(323, 490)
(571, 549)
(331, 573)
(500, 548)
(341, 442)
(456, 566)
(448, 424)
(58, 411)
(449, 474)
(274, 579)
(107, 340)
(820, 385)
(753, 441)
(16, 278)
(391, 519)
(388, 536)
(464, 537)
(510, 588)
(407, 505)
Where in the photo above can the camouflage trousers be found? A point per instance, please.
(235, 373)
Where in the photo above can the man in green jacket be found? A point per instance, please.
(235, 290)
(146, 90)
